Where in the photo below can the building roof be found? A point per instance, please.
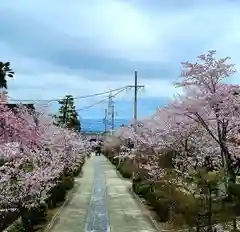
(13, 106)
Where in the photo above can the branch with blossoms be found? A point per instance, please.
(198, 130)
(33, 159)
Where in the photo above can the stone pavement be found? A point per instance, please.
(102, 203)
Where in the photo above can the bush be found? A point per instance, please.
(142, 187)
(161, 205)
(126, 168)
(34, 216)
(188, 206)
(68, 182)
(38, 214)
(162, 209)
(2, 162)
(135, 186)
(59, 192)
(17, 226)
(234, 189)
(77, 170)
(30, 218)
(8, 219)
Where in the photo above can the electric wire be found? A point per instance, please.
(99, 102)
(75, 98)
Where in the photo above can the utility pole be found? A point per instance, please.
(111, 112)
(136, 87)
(105, 119)
(135, 97)
(113, 118)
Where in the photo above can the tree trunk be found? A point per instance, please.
(209, 209)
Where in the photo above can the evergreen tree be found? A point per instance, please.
(5, 71)
(67, 115)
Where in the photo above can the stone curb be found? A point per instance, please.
(147, 215)
(140, 202)
(69, 197)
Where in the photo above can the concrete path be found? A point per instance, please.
(102, 203)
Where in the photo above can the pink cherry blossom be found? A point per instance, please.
(34, 155)
(198, 126)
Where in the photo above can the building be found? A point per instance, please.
(30, 108)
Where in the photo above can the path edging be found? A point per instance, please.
(147, 215)
(140, 203)
(69, 197)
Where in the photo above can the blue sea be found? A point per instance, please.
(98, 125)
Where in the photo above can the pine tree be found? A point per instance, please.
(5, 71)
(68, 116)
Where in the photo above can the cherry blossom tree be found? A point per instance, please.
(35, 156)
(198, 130)
(212, 104)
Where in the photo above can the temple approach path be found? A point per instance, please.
(101, 203)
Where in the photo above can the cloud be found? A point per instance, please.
(83, 47)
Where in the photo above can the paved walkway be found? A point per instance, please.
(102, 203)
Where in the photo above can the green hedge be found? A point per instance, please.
(166, 200)
(58, 194)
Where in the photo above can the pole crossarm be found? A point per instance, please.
(133, 86)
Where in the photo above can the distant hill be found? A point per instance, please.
(97, 125)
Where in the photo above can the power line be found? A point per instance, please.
(75, 98)
(104, 100)
(96, 103)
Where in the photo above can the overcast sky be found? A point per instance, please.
(84, 47)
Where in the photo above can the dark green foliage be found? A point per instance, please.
(159, 204)
(234, 189)
(5, 71)
(68, 182)
(142, 188)
(77, 170)
(34, 216)
(59, 192)
(68, 116)
(17, 227)
(172, 203)
(2, 162)
(126, 168)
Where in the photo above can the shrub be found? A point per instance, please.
(59, 192)
(8, 219)
(162, 208)
(38, 214)
(34, 216)
(142, 187)
(234, 189)
(161, 205)
(68, 182)
(2, 162)
(187, 206)
(77, 170)
(126, 168)
(17, 226)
